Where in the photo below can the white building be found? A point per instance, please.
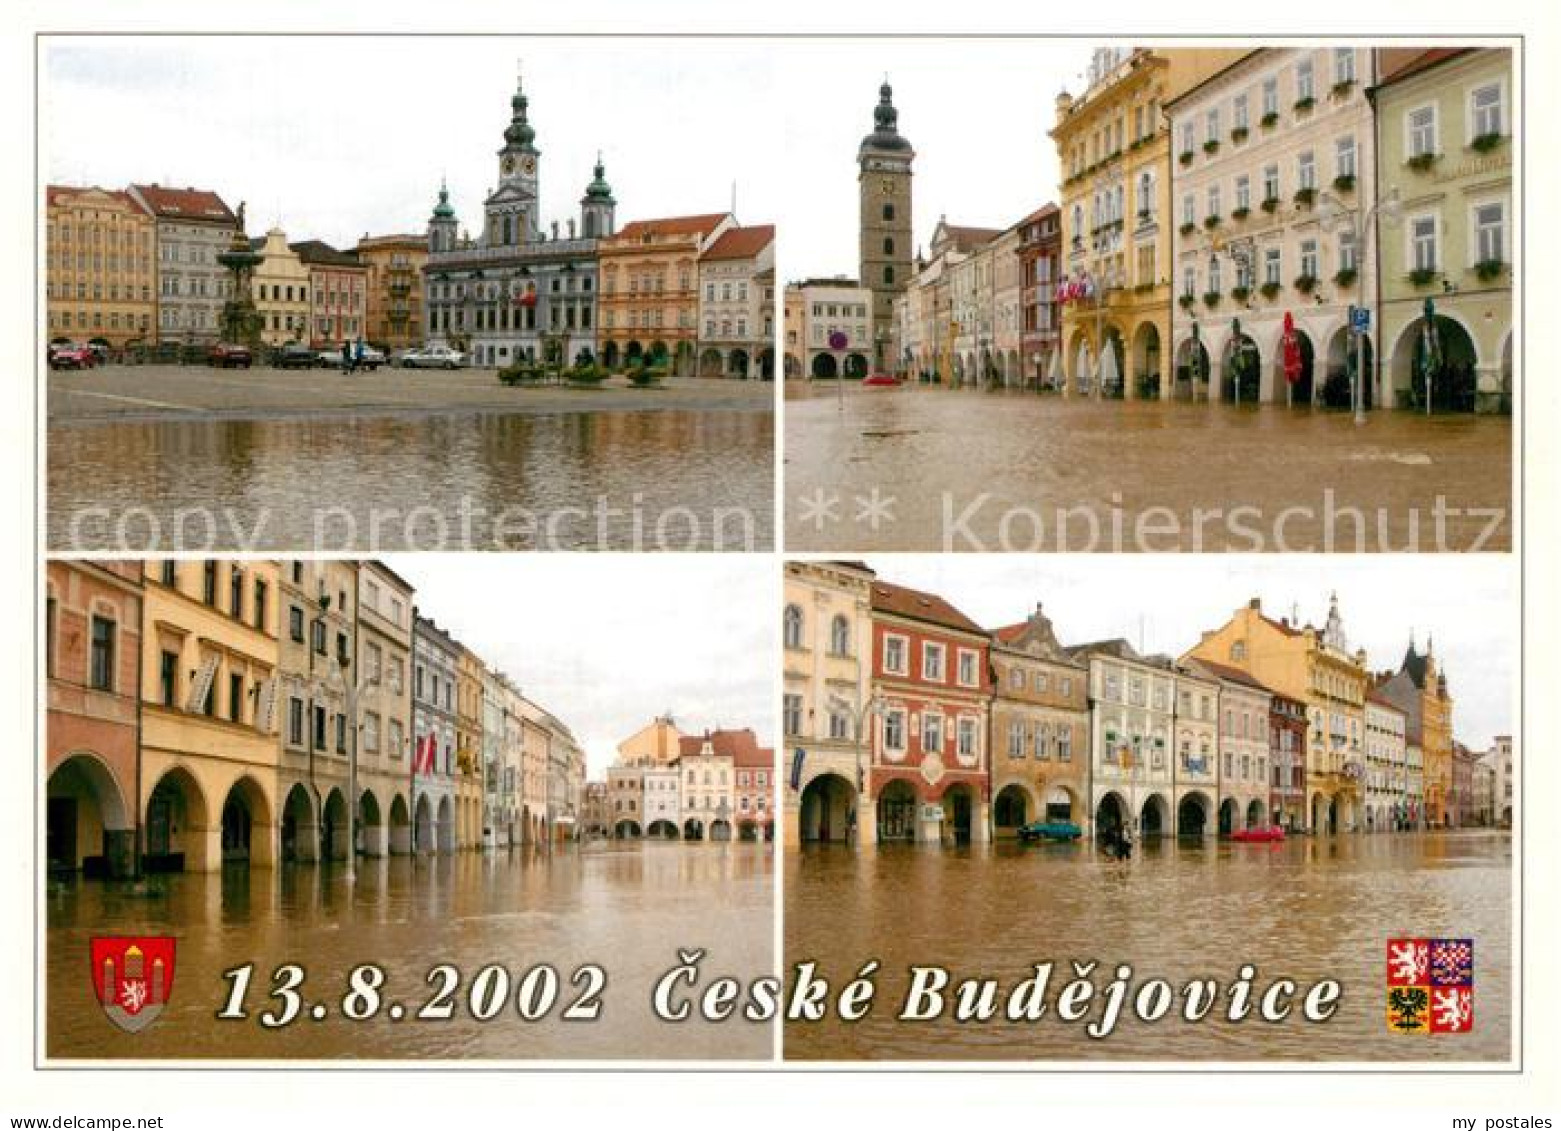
(708, 800)
(736, 304)
(1499, 758)
(663, 806)
(1385, 764)
(1262, 153)
(1130, 700)
(836, 306)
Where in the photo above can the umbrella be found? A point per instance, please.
(1108, 367)
(1291, 345)
(1054, 374)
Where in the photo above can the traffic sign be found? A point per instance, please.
(1360, 319)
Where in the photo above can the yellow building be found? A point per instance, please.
(1316, 667)
(655, 744)
(395, 288)
(648, 305)
(1114, 147)
(281, 290)
(209, 714)
(1419, 689)
(101, 275)
(468, 748)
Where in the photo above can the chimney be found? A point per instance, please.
(1255, 604)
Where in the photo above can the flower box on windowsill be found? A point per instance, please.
(1342, 87)
(1240, 213)
(1422, 162)
(1344, 182)
(1270, 205)
(1188, 228)
(1346, 277)
(1486, 142)
(1270, 119)
(1304, 104)
(1211, 146)
(1269, 290)
(1488, 270)
(1422, 276)
(1186, 157)
(1211, 222)
(1306, 284)
(1211, 299)
(1305, 198)
(1143, 216)
(1238, 135)
(1185, 302)
(1240, 294)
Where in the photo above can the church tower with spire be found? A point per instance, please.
(597, 206)
(513, 209)
(884, 162)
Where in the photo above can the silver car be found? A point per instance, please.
(433, 357)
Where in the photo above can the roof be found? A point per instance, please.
(186, 204)
(741, 243)
(1233, 675)
(1402, 62)
(967, 238)
(913, 604)
(739, 745)
(54, 193)
(321, 254)
(1010, 632)
(1381, 700)
(701, 225)
(1045, 210)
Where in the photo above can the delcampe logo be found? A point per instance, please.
(133, 978)
(1430, 985)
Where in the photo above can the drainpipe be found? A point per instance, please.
(137, 842)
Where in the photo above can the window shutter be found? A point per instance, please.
(200, 687)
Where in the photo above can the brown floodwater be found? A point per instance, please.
(628, 907)
(1307, 909)
(993, 470)
(663, 480)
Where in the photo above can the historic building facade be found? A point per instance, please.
(707, 777)
(470, 772)
(1132, 715)
(830, 307)
(92, 664)
(884, 171)
(393, 310)
(384, 659)
(1039, 741)
(1419, 689)
(100, 276)
(1445, 146)
(194, 226)
(435, 657)
(1287, 761)
(519, 290)
(650, 289)
(827, 701)
(1274, 169)
(1385, 763)
(930, 775)
(208, 714)
(338, 294)
(1040, 256)
(1245, 709)
(281, 290)
(736, 308)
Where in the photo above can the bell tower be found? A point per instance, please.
(514, 207)
(884, 162)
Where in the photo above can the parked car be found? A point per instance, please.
(229, 355)
(331, 358)
(295, 355)
(881, 380)
(71, 355)
(1050, 830)
(433, 357)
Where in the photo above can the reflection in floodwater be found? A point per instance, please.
(628, 907)
(1306, 909)
(667, 480)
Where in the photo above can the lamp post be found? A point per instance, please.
(874, 706)
(1359, 223)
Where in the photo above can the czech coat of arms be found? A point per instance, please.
(133, 978)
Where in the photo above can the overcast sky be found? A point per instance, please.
(333, 137)
(608, 641)
(976, 112)
(1468, 602)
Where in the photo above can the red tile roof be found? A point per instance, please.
(671, 226)
(968, 239)
(186, 204)
(916, 605)
(1226, 672)
(54, 193)
(741, 243)
(1041, 213)
(1401, 62)
(739, 745)
(1010, 632)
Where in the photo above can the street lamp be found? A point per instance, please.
(875, 707)
(1335, 214)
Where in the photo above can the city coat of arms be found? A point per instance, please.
(133, 978)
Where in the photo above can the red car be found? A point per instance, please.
(881, 381)
(71, 355)
(228, 356)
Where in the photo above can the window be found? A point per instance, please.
(894, 655)
(888, 276)
(839, 724)
(1485, 111)
(1422, 243)
(1064, 744)
(967, 668)
(791, 714)
(1344, 157)
(1304, 88)
(262, 591)
(1347, 256)
(1238, 112)
(1309, 258)
(1189, 281)
(1270, 97)
(1343, 64)
(236, 592)
(791, 627)
(1214, 275)
(932, 661)
(932, 733)
(1490, 232)
(102, 673)
(1306, 170)
(295, 623)
(1271, 182)
(840, 636)
(295, 721)
(894, 729)
(1272, 266)
(1214, 201)
(235, 697)
(1189, 209)
(1243, 193)
(1211, 129)
(1186, 138)
(888, 212)
(317, 636)
(888, 247)
(168, 678)
(967, 738)
(170, 573)
(319, 726)
(1421, 123)
(1016, 739)
(209, 584)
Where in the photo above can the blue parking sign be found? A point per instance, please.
(1360, 319)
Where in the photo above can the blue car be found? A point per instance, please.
(1050, 830)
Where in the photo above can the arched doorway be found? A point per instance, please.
(1115, 376)
(333, 833)
(959, 806)
(626, 830)
(826, 809)
(662, 830)
(693, 829)
(720, 829)
(1241, 370)
(897, 812)
(1152, 817)
(633, 352)
(610, 355)
(422, 825)
(1324, 815)
(400, 826)
(1110, 815)
(1082, 365)
(1010, 810)
(176, 824)
(445, 831)
(300, 833)
(767, 364)
(87, 823)
(1192, 815)
(710, 363)
(682, 358)
(246, 824)
(824, 368)
(371, 825)
(1339, 383)
(1146, 360)
(1192, 370)
(856, 367)
(737, 364)
(747, 830)
(1453, 375)
(1228, 816)
(1059, 804)
(657, 354)
(1302, 389)
(1255, 814)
